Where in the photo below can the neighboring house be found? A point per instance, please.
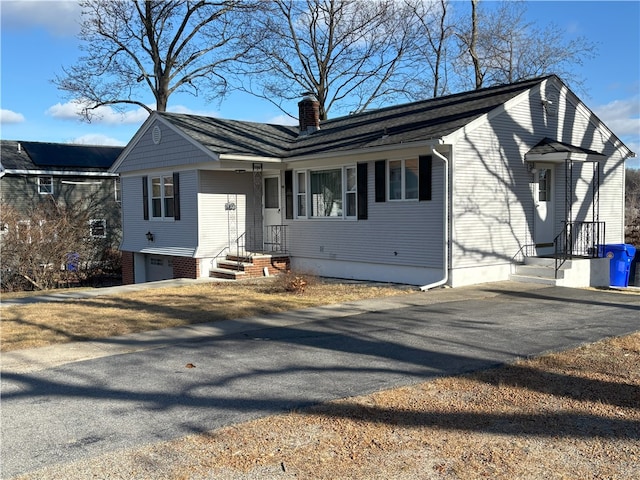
(449, 190)
(36, 172)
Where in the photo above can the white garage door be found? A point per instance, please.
(159, 268)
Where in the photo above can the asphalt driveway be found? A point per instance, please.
(253, 368)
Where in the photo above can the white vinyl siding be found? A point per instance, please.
(394, 234)
(179, 237)
(219, 228)
(172, 153)
(493, 212)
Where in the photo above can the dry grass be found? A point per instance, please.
(37, 325)
(570, 415)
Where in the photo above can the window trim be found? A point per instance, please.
(49, 186)
(403, 180)
(163, 199)
(117, 190)
(307, 194)
(104, 227)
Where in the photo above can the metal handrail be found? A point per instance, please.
(524, 251)
(275, 238)
(578, 239)
(240, 247)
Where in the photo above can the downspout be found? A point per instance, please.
(445, 225)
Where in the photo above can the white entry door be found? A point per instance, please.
(272, 214)
(544, 217)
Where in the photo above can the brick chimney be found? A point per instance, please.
(309, 114)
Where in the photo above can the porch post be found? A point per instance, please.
(257, 234)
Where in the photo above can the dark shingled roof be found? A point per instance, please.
(57, 156)
(547, 145)
(411, 122)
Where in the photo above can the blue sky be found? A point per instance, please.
(38, 38)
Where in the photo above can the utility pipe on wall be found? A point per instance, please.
(445, 225)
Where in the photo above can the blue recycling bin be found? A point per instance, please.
(72, 261)
(621, 256)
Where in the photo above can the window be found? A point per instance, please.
(544, 185)
(326, 193)
(351, 192)
(117, 190)
(302, 194)
(98, 228)
(162, 204)
(331, 193)
(24, 231)
(271, 193)
(403, 179)
(45, 185)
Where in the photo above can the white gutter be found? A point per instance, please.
(445, 225)
(68, 173)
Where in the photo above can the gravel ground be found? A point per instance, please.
(571, 415)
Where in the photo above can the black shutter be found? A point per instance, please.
(288, 193)
(362, 191)
(145, 198)
(381, 181)
(424, 177)
(176, 196)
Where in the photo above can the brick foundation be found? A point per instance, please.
(128, 273)
(186, 267)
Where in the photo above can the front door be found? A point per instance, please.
(272, 214)
(544, 203)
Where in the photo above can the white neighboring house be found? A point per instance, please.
(452, 190)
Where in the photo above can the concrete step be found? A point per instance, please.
(543, 271)
(226, 273)
(533, 279)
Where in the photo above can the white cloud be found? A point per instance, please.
(102, 115)
(8, 117)
(187, 110)
(72, 110)
(621, 116)
(98, 139)
(282, 120)
(59, 17)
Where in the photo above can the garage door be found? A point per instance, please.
(159, 268)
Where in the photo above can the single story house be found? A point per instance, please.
(453, 190)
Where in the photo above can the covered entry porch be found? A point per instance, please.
(567, 231)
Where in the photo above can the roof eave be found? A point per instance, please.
(559, 157)
(367, 150)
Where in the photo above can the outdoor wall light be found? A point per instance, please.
(149, 236)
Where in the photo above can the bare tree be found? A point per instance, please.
(434, 34)
(45, 245)
(632, 207)
(133, 47)
(348, 53)
(497, 46)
